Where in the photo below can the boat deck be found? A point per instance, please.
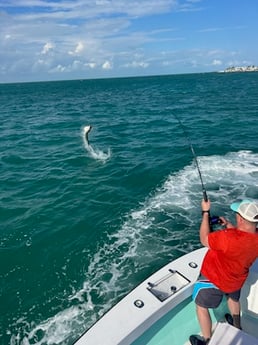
(160, 311)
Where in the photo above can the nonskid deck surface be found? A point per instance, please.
(176, 326)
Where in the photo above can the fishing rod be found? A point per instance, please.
(205, 197)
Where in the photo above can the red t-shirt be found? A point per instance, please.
(227, 262)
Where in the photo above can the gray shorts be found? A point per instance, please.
(207, 295)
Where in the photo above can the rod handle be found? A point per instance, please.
(205, 197)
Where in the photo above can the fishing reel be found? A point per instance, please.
(214, 220)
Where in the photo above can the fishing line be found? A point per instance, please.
(205, 197)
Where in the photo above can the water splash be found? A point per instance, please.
(94, 152)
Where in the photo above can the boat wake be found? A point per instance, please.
(94, 152)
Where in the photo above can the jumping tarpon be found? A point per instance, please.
(86, 130)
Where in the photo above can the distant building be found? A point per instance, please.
(241, 69)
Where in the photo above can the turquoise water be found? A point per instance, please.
(80, 228)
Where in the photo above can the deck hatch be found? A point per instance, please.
(168, 285)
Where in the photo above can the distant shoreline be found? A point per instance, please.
(227, 70)
(240, 69)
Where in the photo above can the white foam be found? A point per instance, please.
(55, 330)
(148, 232)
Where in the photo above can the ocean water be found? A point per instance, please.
(83, 225)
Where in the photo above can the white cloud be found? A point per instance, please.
(92, 65)
(214, 52)
(78, 49)
(211, 29)
(137, 64)
(216, 62)
(47, 47)
(107, 65)
(58, 69)
(40, 62)
(7, 37)
(91, 9)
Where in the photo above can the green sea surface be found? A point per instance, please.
(83, 225)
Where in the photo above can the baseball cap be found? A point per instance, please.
(248, 209)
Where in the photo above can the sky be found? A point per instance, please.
(44, 40)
